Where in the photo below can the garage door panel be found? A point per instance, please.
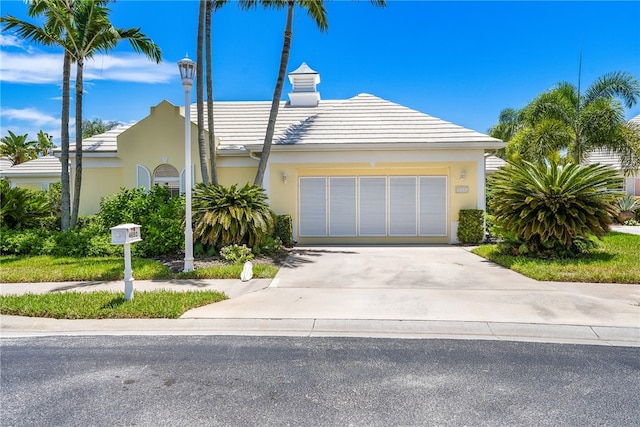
(342, 206)
(373, 206)
(313, 209)
(402, 206)
(433, 206)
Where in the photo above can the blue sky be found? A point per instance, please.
(460, 61)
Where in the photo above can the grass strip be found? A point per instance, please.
(616, 260)
(107, 305)
(45, 268)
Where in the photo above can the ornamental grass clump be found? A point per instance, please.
(553, 210)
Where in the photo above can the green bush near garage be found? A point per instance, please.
(471, 226)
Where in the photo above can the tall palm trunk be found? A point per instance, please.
(212, 136)
(78, 176)
(275, 102)
(64, 143)
(202, 149)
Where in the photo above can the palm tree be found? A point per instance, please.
(44, 144)
(17, 148)
(202, 149)
(81, 28)
(211, 5)
(89, 31)
(317, 12)
(52, 33)
(563, 119)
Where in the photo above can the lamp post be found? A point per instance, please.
(187, 73)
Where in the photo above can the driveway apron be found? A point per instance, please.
(441, 283)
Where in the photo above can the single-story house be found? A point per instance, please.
(358, 170)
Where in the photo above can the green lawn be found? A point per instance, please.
(617, 260)
(107, 305)
(30, 269)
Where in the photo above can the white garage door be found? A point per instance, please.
(373, 206)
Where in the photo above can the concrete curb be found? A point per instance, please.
(16, 326)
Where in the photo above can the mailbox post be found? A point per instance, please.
(125, 234)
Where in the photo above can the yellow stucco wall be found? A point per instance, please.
(157, 139)
(236, 175)
(284, 196)
(96, 183)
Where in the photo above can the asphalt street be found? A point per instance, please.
(278, 381)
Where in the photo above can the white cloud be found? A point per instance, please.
(31, 115)
(9, 40)
(46, 68)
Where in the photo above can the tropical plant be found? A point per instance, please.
(21, 208)
(81, 28)
(17, 149)
(318, 14)
(627, 206)
(564, 120)
(551, 208)
(44, 144)
(97, 126)
(225, 216)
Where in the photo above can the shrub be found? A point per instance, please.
(21, 208)
(236, 254)
(270, 247)
(79, 242)
(548, 207)
(471, 226)
(224, 216)
(160, 216)
(284, 230)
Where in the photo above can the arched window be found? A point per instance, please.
(167, 175)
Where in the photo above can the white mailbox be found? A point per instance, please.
(125, 233)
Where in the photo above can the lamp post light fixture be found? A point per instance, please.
(187, 73)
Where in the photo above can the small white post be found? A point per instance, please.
(128, 273)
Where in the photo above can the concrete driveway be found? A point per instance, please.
(435, 283)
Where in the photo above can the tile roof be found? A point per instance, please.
(367, 119)
(47, 166)
(104, 142)
(5, 163)
(493, 163)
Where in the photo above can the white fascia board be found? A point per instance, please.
(95, 154)
(379, 156)
(380, 147)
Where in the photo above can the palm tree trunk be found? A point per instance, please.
(64, 143)
(202, 149)
(275, 102)
(212, 136)
(78, 176)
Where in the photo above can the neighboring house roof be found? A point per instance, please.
(493, 163)
(42, 166)
(367, 119)
(5, 163)
(607, 157)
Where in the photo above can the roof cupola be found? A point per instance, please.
(304, 81)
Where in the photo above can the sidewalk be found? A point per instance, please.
(601, 314)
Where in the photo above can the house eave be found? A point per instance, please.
(257, 148)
